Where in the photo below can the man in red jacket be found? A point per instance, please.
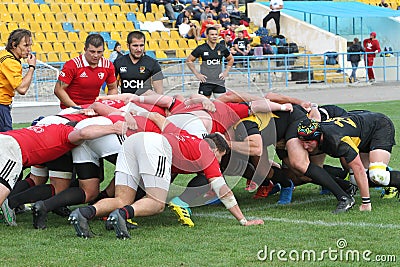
(371, 47)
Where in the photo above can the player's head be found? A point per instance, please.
(20, 43)
(218, 144)
(136, 41)
(309, 132)
(212, 34)
(94, 48)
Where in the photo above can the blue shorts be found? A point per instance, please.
(5, 118)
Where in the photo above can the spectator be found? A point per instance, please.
(227, 42)
(196, 9)
(275, 14)
(18, 47)
(209, 22)
(242, 46)
(186, 13)
(189, 30)
(215, 6)
(230, 7)
(354, 58)
(207, 11)
(371, 47)
(224, 17)
(116, 53)
(81, 78)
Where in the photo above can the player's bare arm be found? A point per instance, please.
(61, 93)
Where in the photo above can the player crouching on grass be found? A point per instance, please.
(361, 138)
(147, 158)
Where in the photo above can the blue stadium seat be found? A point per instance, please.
(137, 25)
(109, 2)
(40, 2)
(131, 16)
(111, 44)
(68, 27)
(105, 35)
(151, 54)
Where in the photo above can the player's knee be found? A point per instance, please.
(378, 173)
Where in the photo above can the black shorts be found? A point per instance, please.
(383, 137)
(207, 89)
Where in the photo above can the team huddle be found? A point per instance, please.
(151, 138)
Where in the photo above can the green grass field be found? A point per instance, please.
(304, 227)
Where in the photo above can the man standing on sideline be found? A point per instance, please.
(137, 72)
(18, 46)
(81, 78)
(275, 14)
(354, 58)
(371, 47)
(212, 79)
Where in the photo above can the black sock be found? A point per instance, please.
(100, 196)
(336, 171)
(33, 194)
(344, 184)
(88, 212)
(195, 188)
(127, 212)
(21, 186)
(321, 177)
(280, 177)
(70, 196)
(394, 179)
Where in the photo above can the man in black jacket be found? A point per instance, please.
(354, 58)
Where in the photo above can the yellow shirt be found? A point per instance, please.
(10, 76)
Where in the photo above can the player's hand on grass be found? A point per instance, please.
(254, 222)
(365, 207)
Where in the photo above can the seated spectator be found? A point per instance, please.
(242, 46)
(169, 11)
(224, 17)
(196, 9)
(116, 53)
(189, 30)
(209, 22)
(215, 6)
(186, 13)
(227, 42)
(207, 11)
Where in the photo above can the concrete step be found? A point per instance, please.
(331, 77)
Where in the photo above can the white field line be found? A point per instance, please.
(226, 215)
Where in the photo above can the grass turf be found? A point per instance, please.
(305, 226)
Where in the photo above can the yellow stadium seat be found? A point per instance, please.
(163, 44)
(101, 17)
(82, 36)
(69, 47)
(3, 8)
(52, 57)
(165, 35)
(111, 17)
(39, 37)
(155, 35)
(86, 8)
(12, 26)
(17, 17)
(76, 8)
(161, 9)
(96, 8)
(192, 43)
(160, 54)
(88, 26)
(109, 26)
(115, 9)
(150, 16)
(58, 47)
(73, 37)
(105, 8)
(62, 37)
(125, 8)
(44, 8)
(74, 54)
(57, 26)
(188, 52)
(39, 17)
(36, 47)
(69, 1)
(98, 26)
(55, 8)
(49, 17)
(140, 17)
(147, 35)
(121, 17)
(153, 45)
(91, 17)
(65, 8)
(154, 8)
(23, 25)
(182, 43)
(180, 53)
(78, 26)
(174, 35)
(28, 17)
(23, 8)
(158, 16)
(6, 17)
(61, 17)
(119, 26)
(129, 26)
(79, 46)
(51, 37)
(41, 57)
(71, 18)
(33, 8)
(46, 27)
(64, 57)
(115, 36)
(12, 8)
(81, 17)
(35, 27)
(47, 47)
(173, 45)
